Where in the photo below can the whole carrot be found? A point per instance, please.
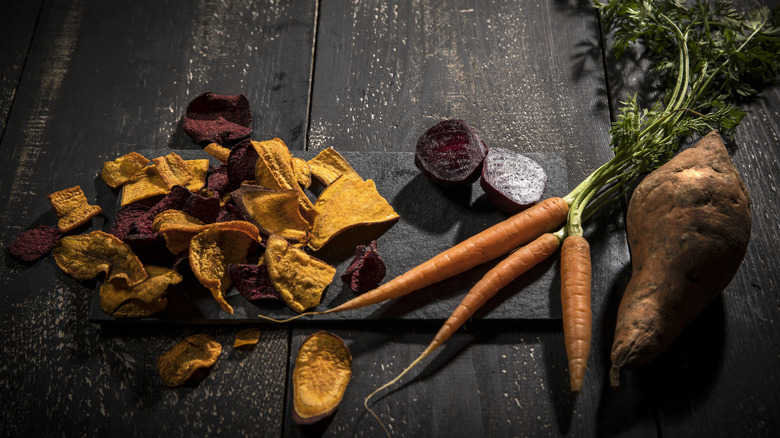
(575, 302)
(514, 265)
(483, 247)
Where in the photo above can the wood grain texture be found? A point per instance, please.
(101, 80)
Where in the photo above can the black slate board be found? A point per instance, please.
(432, 219)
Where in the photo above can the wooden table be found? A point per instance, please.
(86, 81)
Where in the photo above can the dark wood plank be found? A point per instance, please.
(719, 377)
(527, 76)
(101, 80)
(17, 27)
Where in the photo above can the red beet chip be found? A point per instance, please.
(218, 181)
(230, 212)
(450, 153)
(214, 118)
(204, 209)
(366, 270)
(125, 220)
(34, 244)
(241, 163)
(253, 282)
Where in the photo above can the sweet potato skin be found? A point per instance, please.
(688, 226)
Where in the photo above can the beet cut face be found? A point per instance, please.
(450, 153)
(512, 181)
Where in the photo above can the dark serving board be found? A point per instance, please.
(432, 220)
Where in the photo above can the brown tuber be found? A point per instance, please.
(688, 226)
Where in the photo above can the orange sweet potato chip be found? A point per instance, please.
(274, 170)
(216, 247)
(189, 359)
(329, 165)
(247, 338)
(85, 256)
(323, 369)
(347, 203)
(217, 151)
(273, 211)
(149, 184)
(119, 171)
(173, 170)
(300, 278)
(119, 299)
(72, 208)
(302, 171)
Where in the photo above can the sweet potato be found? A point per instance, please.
(688, 226)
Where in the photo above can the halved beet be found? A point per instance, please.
(450, 153)
(512, 181)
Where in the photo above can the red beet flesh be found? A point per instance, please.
(450, 153)
(512, 181)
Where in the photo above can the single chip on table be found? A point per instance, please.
(116, 294)
(300, 278)
(72, 208)
(34, 244)
(119, 171)
(173, 170)
(274, 170)
(247, 338)
(215, 118)
(329, 165)
(323, 369)
(214, 249)
(348, 203)
(273, 211)
(189, 359)
(85, 256)
(218, 151)
(366, 270)
(149, 184)
(253, 282)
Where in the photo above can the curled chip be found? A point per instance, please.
(348, 203)
(302, 171)
(329, 165)
(241, 163)
(72, 208)
(85, 256)
(217, 151)
(323, 369)
(33, 244)
(149, 184)
(253, 282)
(119, 171)
(215, 118)
(366, 270)
(217, 247)
(121, 300)
(178, 228)
(247, 338)
(188, 360)
(274, 170)
(273, 211)
(300, 278)
(173, 170)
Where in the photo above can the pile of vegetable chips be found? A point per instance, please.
(249, 222)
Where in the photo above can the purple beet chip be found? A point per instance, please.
(253, 282)
(218, 181)
(230, 212)
(125, 220)
(215, 118)
(366, 270)
(34, 244)
(201, 208)
(241, 164)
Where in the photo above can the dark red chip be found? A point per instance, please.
(253, 282)
(218, 180)
(203, 209)
(366, 270)
(241, 164)
(214, 118)
(34, 244)
(230, 212)
(125, 220)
